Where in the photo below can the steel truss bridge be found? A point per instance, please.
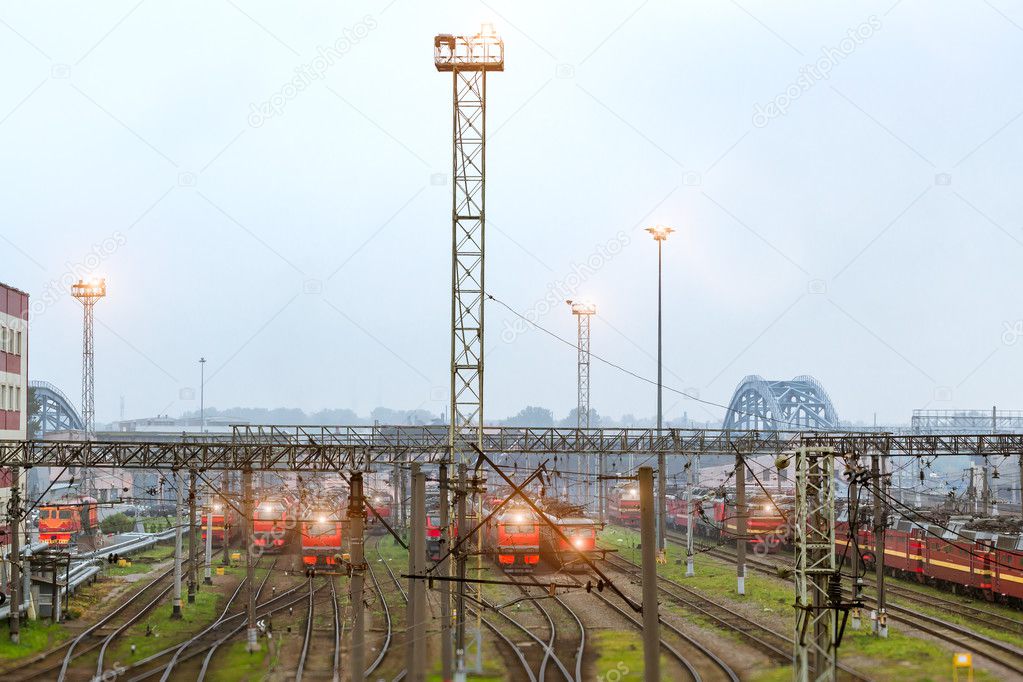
(801, 403)
(56, 411)
(361, 448)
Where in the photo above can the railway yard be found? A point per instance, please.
(765, 539)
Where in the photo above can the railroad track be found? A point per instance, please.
(387, 615)
(574, 675)
(998, 652)
(81, 644)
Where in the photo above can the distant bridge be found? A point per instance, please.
(56, 411)
(799, 404)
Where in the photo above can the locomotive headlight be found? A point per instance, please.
(267, 508)
(766, 507)
(578, 542)
(321, 518)
(519, 518)
(218, 507)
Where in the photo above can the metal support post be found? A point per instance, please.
(651, 627)
(815, 648)
(460, 567)
(14, 522)
(225, 490)
(740, 523)
(415, 638)
(690, 568)
(252, 634)
(179, 484)
(880, 524)
(445, 586)
(209, 539)
(356, 544)
(193, 544)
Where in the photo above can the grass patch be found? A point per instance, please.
(235, 664)
(165, 631)
(36, 636)
(622, 652)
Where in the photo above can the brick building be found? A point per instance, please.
(13, 384)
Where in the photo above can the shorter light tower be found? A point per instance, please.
(583, 311)
(88, 292)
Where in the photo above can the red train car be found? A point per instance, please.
(433, 537)
(581, 533)
(513, 538)
(68, 520)
(270, 525)
(623, 505)
(321, 537)
(767, 519)
(381, 502)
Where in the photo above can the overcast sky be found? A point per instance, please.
(844, 179)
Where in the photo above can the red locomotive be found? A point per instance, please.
(581, 533)
(270, 525)
(321, 537)
(623, 505)
(68, 520)
(513, 537)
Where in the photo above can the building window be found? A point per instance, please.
(17, 346)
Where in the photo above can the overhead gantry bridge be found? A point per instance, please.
(359, 448)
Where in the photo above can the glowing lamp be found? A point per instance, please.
(963, 660)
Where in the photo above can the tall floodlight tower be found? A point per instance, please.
(468, 59)
(583, 311)
(88, 292)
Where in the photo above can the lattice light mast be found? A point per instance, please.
(88, 292)
(468, 59)
(818, 590)
(583, 311)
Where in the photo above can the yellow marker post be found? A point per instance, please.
(962, 661)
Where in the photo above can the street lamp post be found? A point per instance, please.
(202, 395)
(660, 234)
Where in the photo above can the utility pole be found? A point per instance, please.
(460, 559)
(178, 485)
(209, 538)
(225, 491)
(690, 568)
(356, 544)
(250, 565)
(880, 523)
(648, 538)
(445, 586)
(740, 522)
(202, 395)
(14, 522)
(193, 544)
(468, 59)
(415, 645)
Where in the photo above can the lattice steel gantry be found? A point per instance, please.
(815, 644)
(468, 59)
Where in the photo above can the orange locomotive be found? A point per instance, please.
(223, 524)
(65, 521)
(581, 533)
(270, 525)
(623, 505)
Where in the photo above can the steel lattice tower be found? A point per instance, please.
(815, 647)
(583, 311)
(468, 59)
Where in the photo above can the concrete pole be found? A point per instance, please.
(54, 594)
(460, 567)
(415, 646)
(209, 539)
(651, 627)
(178, 485)
(250, 566)
(690, 569)
(225, 483)
(13, 520)
(445, 586)
(877, 473)
(740, 523)
(193, 544)
(356, 547)
(602, 486)
(396, 493)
